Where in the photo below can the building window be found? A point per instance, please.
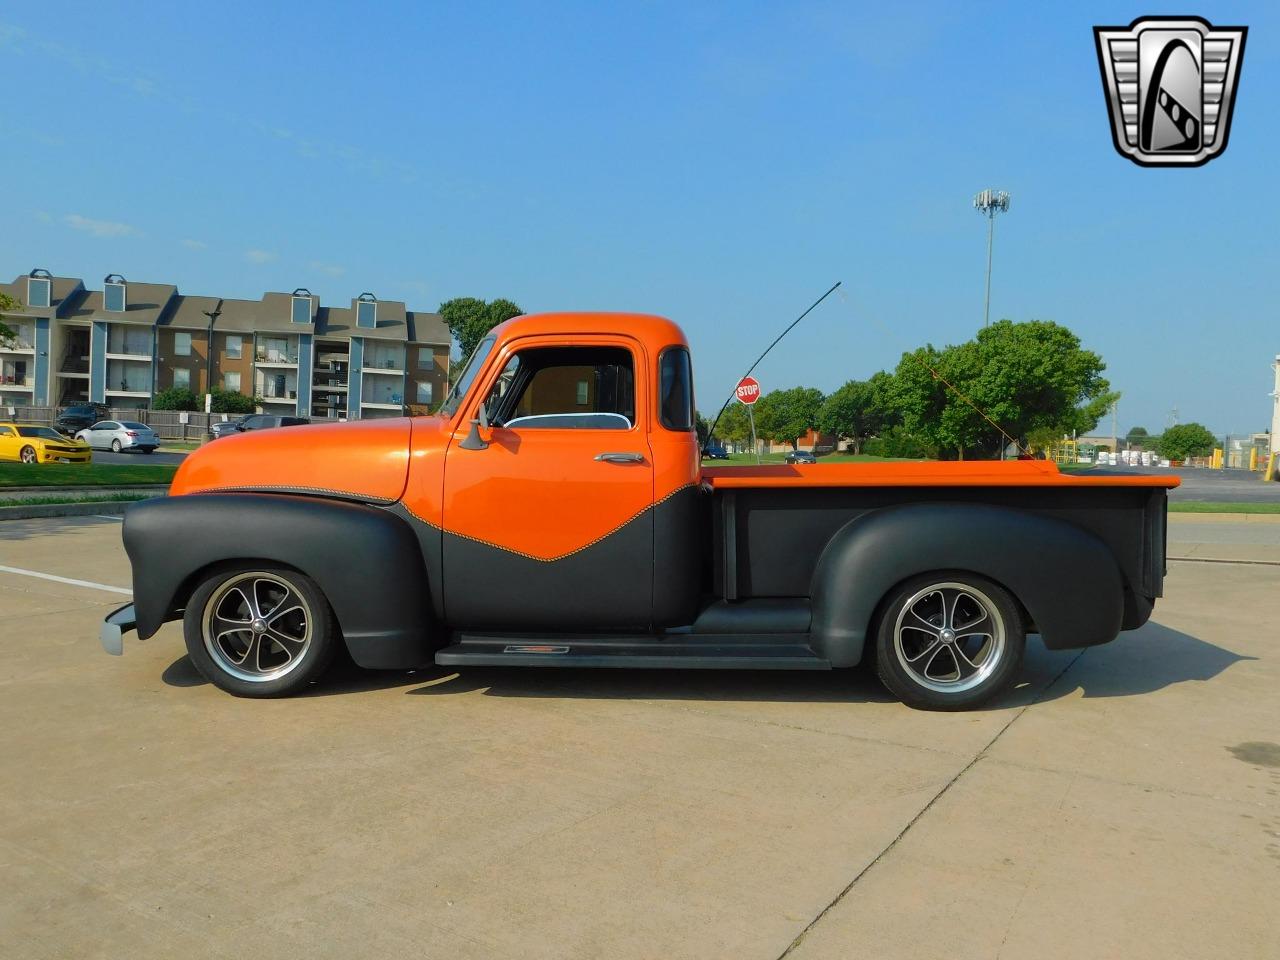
(235, 348)
(424, 391)
(113, 297)
(302, 309)
(367, 311)
(39, 291)
(181, 378)
(182, 344)
(425, 360)
(582, 393)
(231, 381)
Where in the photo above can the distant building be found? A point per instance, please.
(124, 343)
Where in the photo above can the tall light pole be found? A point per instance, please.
(989, 203)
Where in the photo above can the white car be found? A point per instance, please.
(118, 435)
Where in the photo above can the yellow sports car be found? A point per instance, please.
(29, 443)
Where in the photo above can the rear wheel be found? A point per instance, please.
(148, 450)
(115, 446)
(264, 631)
(28, 455)
(947, 641)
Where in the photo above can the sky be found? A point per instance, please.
(719, 163)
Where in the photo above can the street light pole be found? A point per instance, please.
(989, 203)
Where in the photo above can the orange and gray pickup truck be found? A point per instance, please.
(555, 512)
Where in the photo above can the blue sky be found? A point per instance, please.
(722, 164)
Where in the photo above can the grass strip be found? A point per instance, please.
(89, 474)
(1209, 506)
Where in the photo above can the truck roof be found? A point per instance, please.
(653, 331)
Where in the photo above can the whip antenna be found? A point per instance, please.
(712, 431)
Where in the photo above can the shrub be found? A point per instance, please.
(176, 398)
(230, 401)
(897, 442)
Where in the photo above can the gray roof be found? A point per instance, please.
(62, 293)
(341, 322)
(188, 313)
(428, 328)
(143, 303)
(241, 316)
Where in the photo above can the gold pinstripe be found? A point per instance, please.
(529, 556)
(277, 488)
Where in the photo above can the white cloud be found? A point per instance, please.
(259, 256)
(194, 244)
(99, 228)
(44, 216)
(331, 269)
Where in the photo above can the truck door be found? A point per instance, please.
(550, 526)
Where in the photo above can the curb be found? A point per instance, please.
(54, 489)
(114, 508)
(1176, 517)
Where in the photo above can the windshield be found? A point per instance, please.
(44, 433)
(464, 382)
(133, 425)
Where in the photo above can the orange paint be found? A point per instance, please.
(363, 459)
(968, 473)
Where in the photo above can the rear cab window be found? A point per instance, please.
(675, 389)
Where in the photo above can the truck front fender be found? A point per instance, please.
(366, 561)
(1065, 578)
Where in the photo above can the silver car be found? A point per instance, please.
(117, 435)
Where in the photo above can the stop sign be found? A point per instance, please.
(748, 390)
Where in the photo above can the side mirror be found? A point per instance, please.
(481, 434)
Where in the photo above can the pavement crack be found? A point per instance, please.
(799, 938)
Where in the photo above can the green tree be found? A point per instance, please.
(859, 410)
(734, 426)
(788, 414)
(1185, 440)
(230, 401)
(176, 398)
(1022, 376)
(469, 319)
(1138, 437)
(7, 333)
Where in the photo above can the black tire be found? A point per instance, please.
(278, 669)
(924, 655)
(28, 455)
(148, 450)
(115, 446)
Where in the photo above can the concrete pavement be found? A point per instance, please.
(1123, 801)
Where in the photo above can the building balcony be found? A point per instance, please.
(277, 361)
(291, 401)
(145, 357)
(132, 391)
(392, 371)
(17, 346)
(19, 384)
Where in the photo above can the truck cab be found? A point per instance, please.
(555, 512)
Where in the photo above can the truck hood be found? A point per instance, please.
(363, 460)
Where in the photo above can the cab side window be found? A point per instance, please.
(590, 388)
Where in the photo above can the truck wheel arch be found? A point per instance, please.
(365, 559)
(1046, 564)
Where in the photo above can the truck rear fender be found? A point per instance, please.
(365, 559)
(1065, 578)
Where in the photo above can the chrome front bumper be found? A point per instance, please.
(113, 628)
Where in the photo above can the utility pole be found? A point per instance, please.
(989, 203)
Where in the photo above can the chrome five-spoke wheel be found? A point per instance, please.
(949, 636)
(260, 632)
(257, 627)
(949, 640)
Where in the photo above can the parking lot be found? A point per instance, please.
(1123, 801)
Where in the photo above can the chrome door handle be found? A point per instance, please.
(621, 457)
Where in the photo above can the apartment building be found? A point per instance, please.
(122, 344)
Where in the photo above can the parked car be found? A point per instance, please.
(521, 526)
(253, 421)
(79, 417)
(118, 435)
(801, 456)
(31, 443)
(715, 451)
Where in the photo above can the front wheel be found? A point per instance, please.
(28, 455)
(947, 641)
(262, 631)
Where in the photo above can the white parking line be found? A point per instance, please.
(75, 583)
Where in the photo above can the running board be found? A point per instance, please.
(644, 652)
